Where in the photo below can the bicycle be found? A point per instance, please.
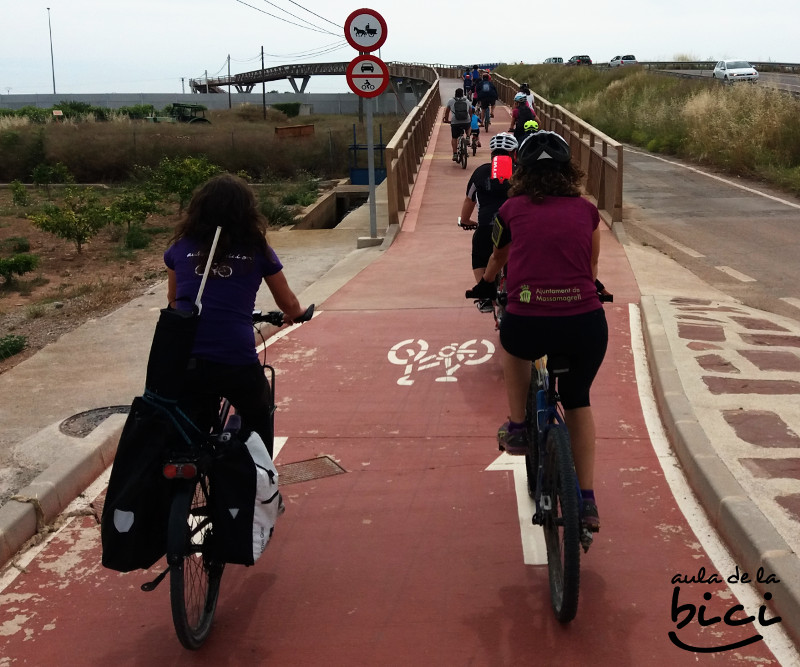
(501, 297)
(553, 482)
(193, 563)
(462, 150)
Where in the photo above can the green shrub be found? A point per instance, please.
(78, 221)
(276, 213)
(10, 345)
(181, 176)
(16, 244)
(133, 206)
(17, 265)
(136, 238)
(19, 194)
(291, 109)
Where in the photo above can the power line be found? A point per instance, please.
(317, 15)
(320, 30)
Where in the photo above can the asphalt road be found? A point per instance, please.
(738, 236)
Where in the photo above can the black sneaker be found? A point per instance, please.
(512, 442)
(484, 305)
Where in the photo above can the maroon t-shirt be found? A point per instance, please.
(550, 259)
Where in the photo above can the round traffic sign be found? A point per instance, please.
(367, 76)
(365, 30)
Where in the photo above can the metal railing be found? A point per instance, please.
(598, 155)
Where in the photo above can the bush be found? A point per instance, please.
(19, 194)
(136, 238)
(133, 206)
(78, 221)
(17, 265)
(16, 244)
(277, 214)
(181, 176)
(291, 109)
(11, 345)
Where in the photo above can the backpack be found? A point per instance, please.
(486, 88)
(245, 500)
(461, 110)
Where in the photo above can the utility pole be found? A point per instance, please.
(206, 82)
(52, 61)
(229, 80)
(263, 86)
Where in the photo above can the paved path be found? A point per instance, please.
(420, 551)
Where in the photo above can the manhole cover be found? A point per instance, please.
(82, 424)
(305, 471)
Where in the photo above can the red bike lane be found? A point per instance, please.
(412, 553)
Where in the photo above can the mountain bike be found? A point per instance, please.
(462, 150)
(193, 563)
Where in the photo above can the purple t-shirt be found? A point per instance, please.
(550, 259)
(225, 333)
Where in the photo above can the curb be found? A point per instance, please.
(748, 534)
(41, 502)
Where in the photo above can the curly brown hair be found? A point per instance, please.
(547, 178)
(228, 201)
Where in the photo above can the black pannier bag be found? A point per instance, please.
(133, 526)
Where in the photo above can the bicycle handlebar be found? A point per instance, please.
(275, 317)
(468, 225)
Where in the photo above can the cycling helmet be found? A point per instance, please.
(503, 141)
(543, 146)
(531, 126)
(519, 97)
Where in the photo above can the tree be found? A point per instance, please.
(17, 265)
(181, 176)
(79, 220)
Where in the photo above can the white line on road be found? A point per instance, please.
(716, 178)
(733, 273)
(534, 551)
(791, 301)
(673, 243)
(775, 637)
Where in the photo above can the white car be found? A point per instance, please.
(734, 70)
(618, 61)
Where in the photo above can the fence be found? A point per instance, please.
(598, 155)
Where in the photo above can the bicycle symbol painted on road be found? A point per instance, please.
(413, 354)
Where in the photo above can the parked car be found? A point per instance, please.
(618, 61)
(579, 60)
(554, 61)
(734, 70)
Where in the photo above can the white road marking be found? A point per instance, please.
(775, 637)
(716, 178)
(534, 551)
(673, 243)
(733, 273)
(791, 301)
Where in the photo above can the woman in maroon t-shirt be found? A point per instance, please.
(549, 237)
(225, 362)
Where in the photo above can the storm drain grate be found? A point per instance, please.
(82, 424)
(305, 471)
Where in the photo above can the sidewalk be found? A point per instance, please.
(717, 369)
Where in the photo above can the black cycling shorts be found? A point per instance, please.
(482, 246)
(457, 129)
(581, 339)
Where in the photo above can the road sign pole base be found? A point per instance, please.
(368, 241)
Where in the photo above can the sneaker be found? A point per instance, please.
(589, 516)
(479, 144)
(455, 157)
(512, 442)
(484, 305)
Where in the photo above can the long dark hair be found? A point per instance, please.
(547, 178)
(228, 201)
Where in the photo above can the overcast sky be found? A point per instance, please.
(107, 46)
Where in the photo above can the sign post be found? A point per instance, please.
(368, 77)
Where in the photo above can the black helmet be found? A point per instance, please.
(543, 146)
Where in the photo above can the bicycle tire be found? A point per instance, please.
(194, 574)
(463, 150)
(562, 525)
(486, 117)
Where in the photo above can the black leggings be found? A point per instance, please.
(581, 339)
(247, 389)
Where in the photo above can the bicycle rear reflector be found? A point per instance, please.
(180, 470)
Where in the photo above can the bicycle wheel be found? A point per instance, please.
(194, 574)
(561, 525)
(463, 151)
(487, 114)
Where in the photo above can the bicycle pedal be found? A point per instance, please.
(587, 538)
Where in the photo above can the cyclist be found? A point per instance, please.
(476, 75)
(475, 125)
(520, 115)
(467, 82)
(549, 236)
(488, 194)
(461, 110)
(525, 88)
(530, 127)
(224, 357)
(487, 95)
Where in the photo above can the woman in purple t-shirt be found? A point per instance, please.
(549, 237)
(224, 357)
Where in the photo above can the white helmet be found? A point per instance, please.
(520, 96)
(503, 141)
